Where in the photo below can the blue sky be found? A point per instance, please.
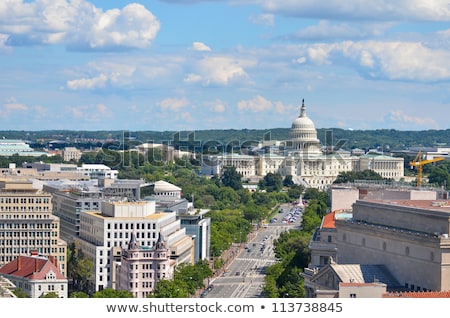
(224, 64)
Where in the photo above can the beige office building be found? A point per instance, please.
(27, 223)
(409, 237)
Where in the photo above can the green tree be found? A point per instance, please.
(231, 178)
(112, 293)
(440, 175)
(295, 191)
(293, 248)
(253, 213)
(79, 269)
(20, 293)
(351, 176)
(287, 181)
(49, 295)
(310, 221)
(78, 294)
(271, 182)
(170, 289)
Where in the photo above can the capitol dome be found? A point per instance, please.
(303, 133)
(303, 122)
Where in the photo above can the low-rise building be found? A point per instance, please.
(36, 275)
(9, 147)
(71, 154)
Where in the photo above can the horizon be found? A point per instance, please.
(211, 129)
(187, 65)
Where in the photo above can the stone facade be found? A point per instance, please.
(410, 237)
(141, 268)
(27, 223)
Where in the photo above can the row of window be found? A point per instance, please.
(52, 225)
(28, 234)
(26, 216)
(126, 235)
(119, 243)
(146, 266)
(28, 242)
(24, 208)
(131, 226)
(50, 287)
(22, 200)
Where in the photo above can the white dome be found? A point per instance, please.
(303, 133)
(163, 186)
(303, 121)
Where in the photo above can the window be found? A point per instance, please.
(352, 295)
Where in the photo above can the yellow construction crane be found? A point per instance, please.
(419, 163)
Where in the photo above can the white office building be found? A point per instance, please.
(104, 233)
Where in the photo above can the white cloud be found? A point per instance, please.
(263, 19)
(299, 60)
(377, 10)
(400, 60)
(88, 83)
(393, 60)
(109, 72)
(325, 30)
(257, 104)
(13, 106)
(199, 46)
(219, 70)
(173, 104)
(77, 24)
(401, 118)
(218, 106)
(319, 53)
(89, 113)
(192, 78)
(133, 26)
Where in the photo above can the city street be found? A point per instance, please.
(244, 275)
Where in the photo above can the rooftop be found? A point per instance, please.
(329, 221)
(418, 294)
(432, 205)
(360, 273)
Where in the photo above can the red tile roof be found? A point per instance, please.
(329, 221)
(418, 294)
(31, 267)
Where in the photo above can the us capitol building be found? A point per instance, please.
(302, 157)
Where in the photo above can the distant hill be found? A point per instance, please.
(364, 139)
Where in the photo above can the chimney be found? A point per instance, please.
(19, 262)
